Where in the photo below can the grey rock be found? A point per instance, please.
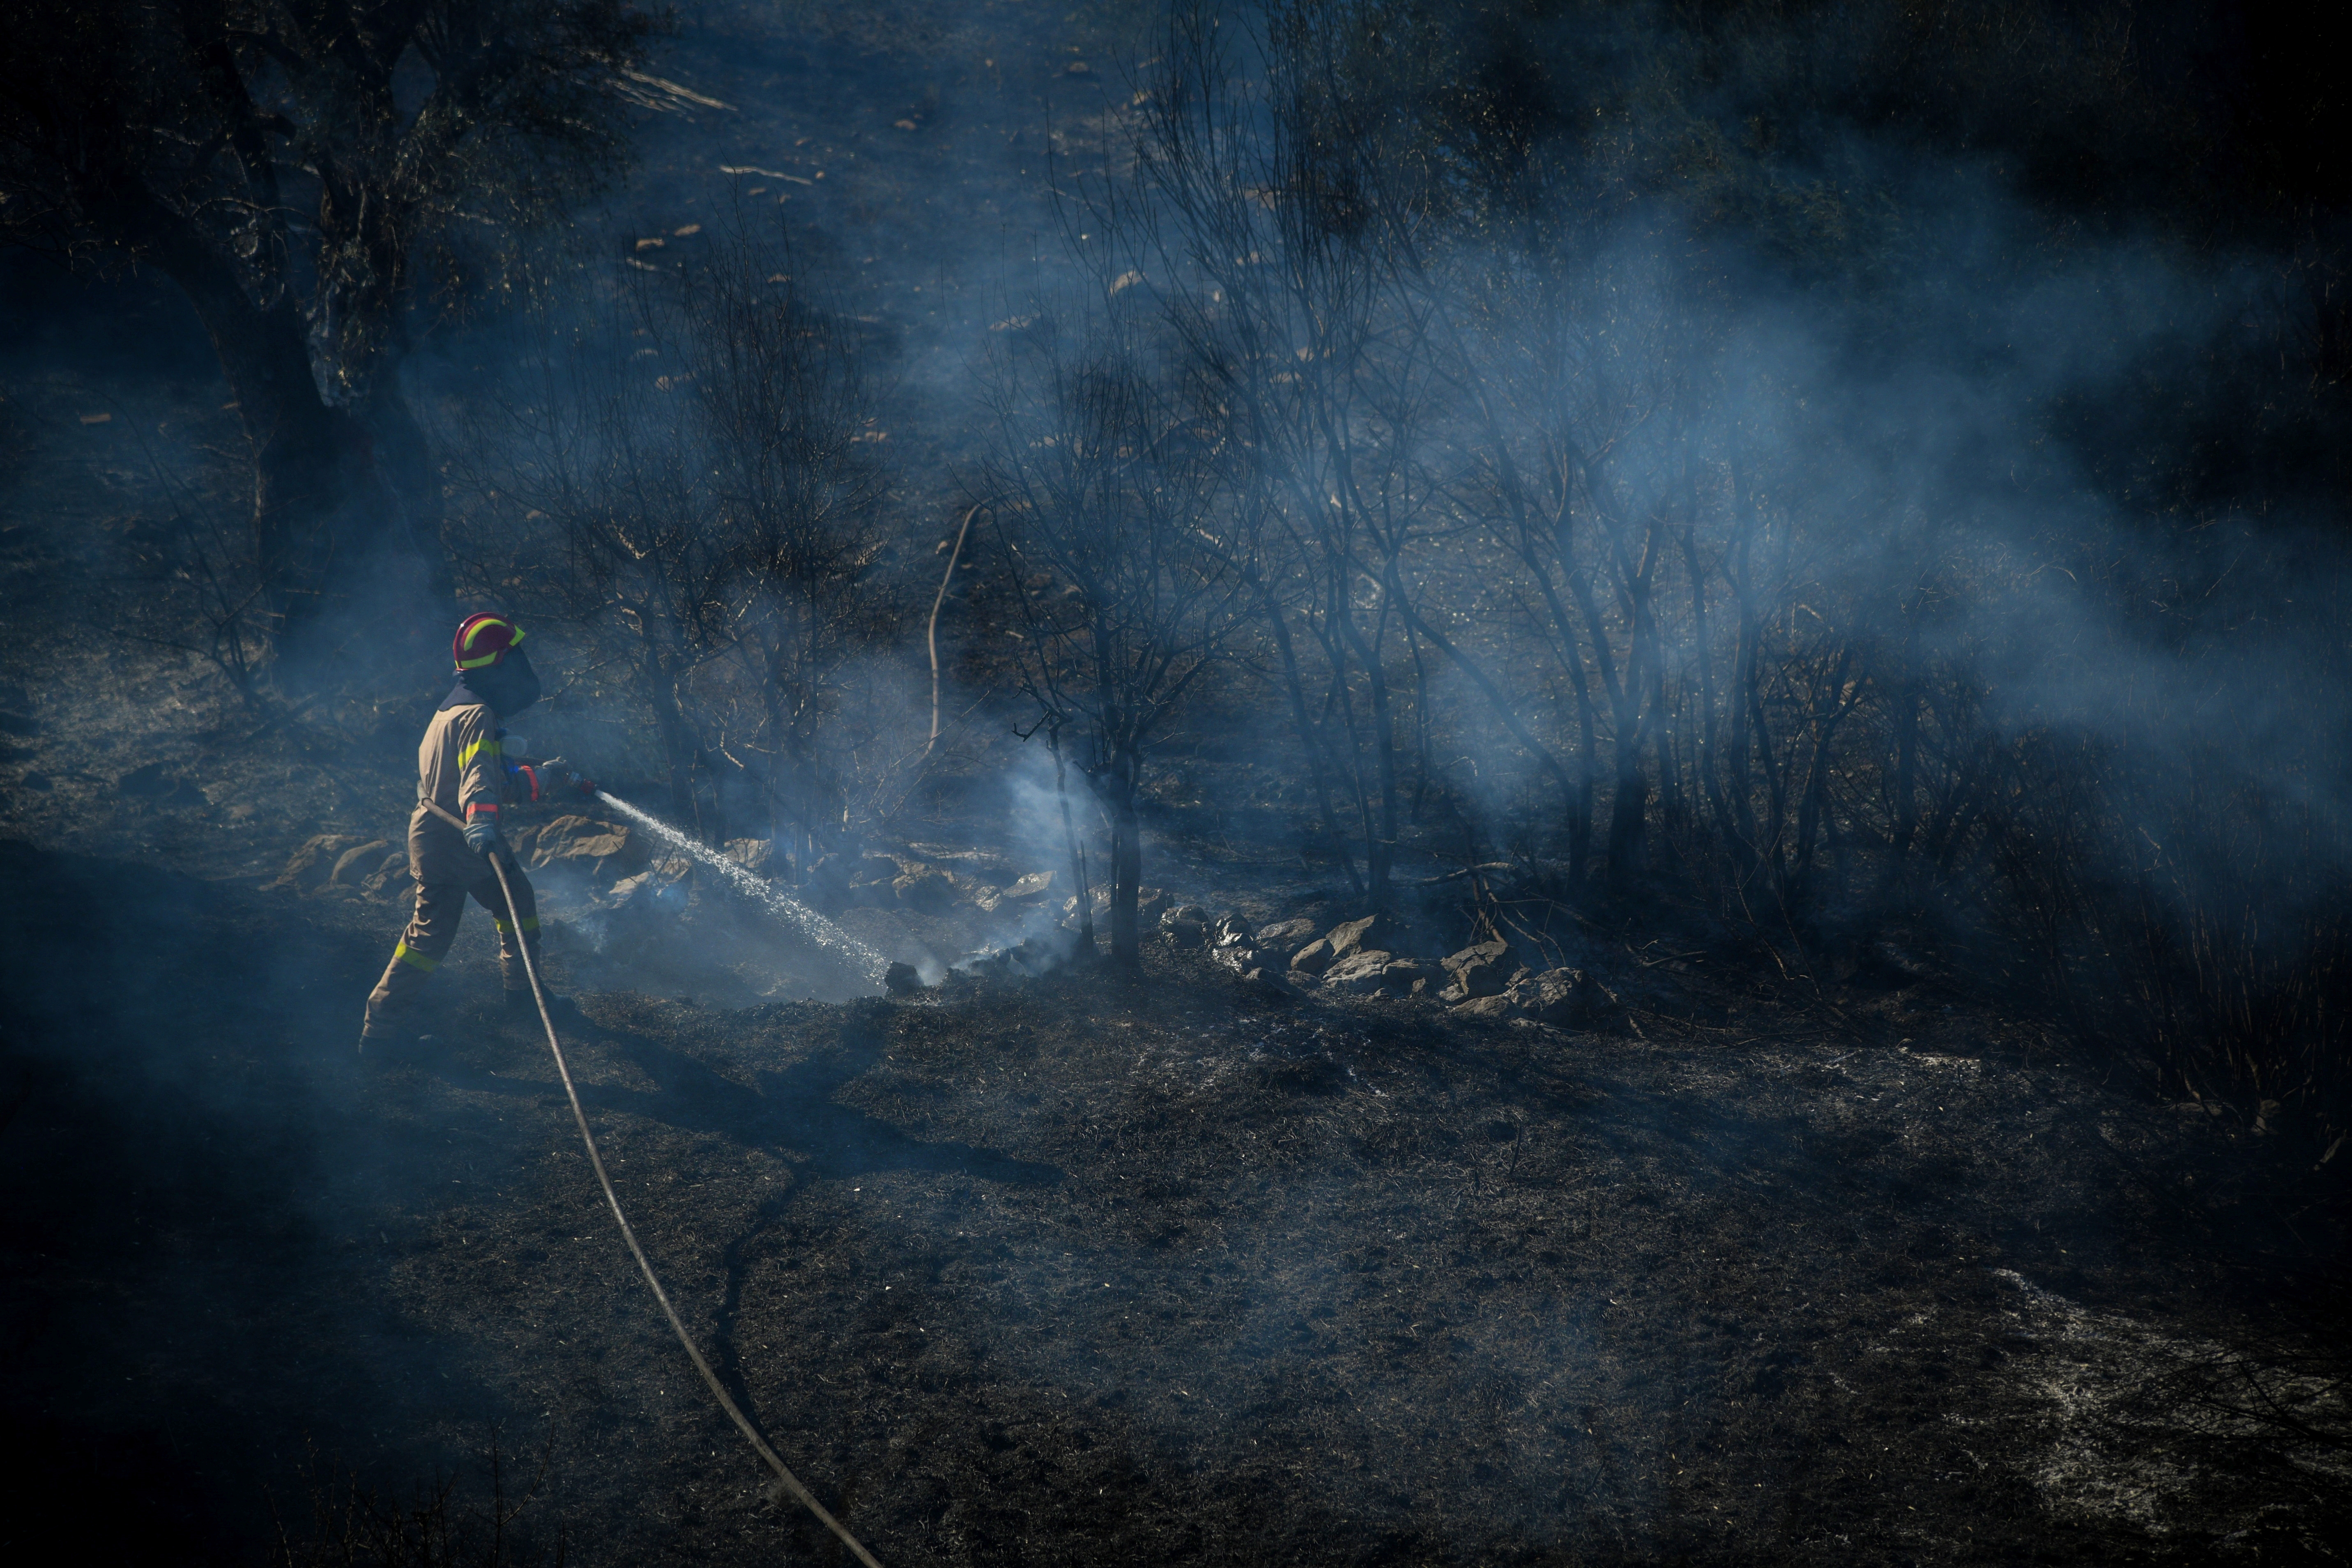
(310, 865)
(1490, 952)
(1482, 969)
(1403, 977)
(1570, 999)
(391, 878)
(605, 850)
(348, 867)
(1360, 971)
(1314, 958)
(1031, 888)
(1286, 936)
(1478, 978)
(1376, 931)
(754, 855)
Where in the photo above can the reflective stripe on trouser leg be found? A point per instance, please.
(522, 922)
(431, 929)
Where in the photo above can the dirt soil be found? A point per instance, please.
(1166, 1267)
(1163, 1265)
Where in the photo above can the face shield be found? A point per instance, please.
(508, 685)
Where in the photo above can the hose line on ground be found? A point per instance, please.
(792, 1483)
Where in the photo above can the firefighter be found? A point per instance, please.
(462, 767)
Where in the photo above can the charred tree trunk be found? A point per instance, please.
(1083, 893)
(659, 682)
(299, 444)
(319, 503)
(1906, 774)
(1380, 830)
(1815, 805)
(405, 460)
(1117, 787)
(1310, 740)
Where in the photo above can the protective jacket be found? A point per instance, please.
(463, 768)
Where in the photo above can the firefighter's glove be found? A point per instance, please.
(482, 837)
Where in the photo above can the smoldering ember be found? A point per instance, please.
(1345, 782)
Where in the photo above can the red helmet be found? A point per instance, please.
(484, 639)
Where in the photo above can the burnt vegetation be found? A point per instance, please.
(1613, 738)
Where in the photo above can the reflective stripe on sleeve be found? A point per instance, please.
(482, 806)
(483, 748)
(404, 953)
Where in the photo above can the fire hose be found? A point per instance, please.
(784, 1475)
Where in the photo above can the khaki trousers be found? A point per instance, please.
(434, 926)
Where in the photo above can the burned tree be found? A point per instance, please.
(306, 176)
(684, 480)
(591, 497)
(786, 410)
(1101, 465)
(1286, 214)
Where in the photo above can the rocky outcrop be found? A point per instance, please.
(1377, 973)
(391, 878)
(1184, 926)
(1027, 892)
(1382, 931)
(1150, 905)
(309, 867)
(1359, 970)
(1229, 932)
(1408, 978)
(924, 890)
(1482, 969)
(754, 855)
(604, 852)
(352, 864)
(1564, 998)
(1286, 936)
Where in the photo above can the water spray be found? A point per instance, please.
(784, 1477)
(796, 915)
